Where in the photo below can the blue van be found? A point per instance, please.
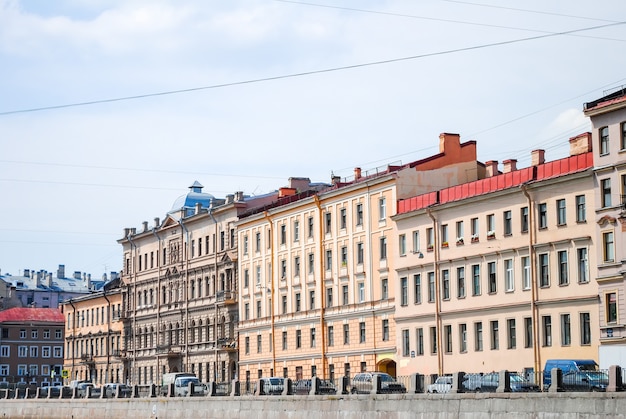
(566, 365)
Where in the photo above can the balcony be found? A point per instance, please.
(226, 344)
(226, 297)
(87, 359)
(171, 351)
(119, 353)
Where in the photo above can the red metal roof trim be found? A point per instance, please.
(21, 314)
(545, 171)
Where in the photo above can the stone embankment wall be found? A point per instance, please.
(394, 406)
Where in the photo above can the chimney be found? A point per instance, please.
(239, 196)
(492, 168)
(198, 208)
(104, 277)
(145, 226)
(580, 144)
(357, 173)
(88, 281)
(38, 281)
(61, 271)
(230, 198)
(449, 143)
(537, 157)
(27, 273)
(335, 179)
(300, 184)
(157, 222)
(509, 166)
(283, 192)
(76, 275)
(49, 280)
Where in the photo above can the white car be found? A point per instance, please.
(441, 385)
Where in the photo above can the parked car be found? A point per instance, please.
(324, 387)
(110, 390)
(585, 381)
(489, 383)
(566, 365)
(82, 390)
(441, 385)
(54, 391)
(272, 385)
(362, 383)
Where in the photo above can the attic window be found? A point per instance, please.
(20, 283)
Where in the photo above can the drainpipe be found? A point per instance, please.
(73, 335)
(185, 297)
(104, 294)
(533, 282)
(158, 299)
(269, 221)
(438, 323)
(132, 298)
(215, 355)
(321, 287)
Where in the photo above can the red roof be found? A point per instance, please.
(46, 315)
(509, 180)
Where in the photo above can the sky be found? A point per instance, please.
(111, 109)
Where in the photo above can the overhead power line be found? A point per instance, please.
(307, 73)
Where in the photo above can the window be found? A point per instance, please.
(507, 218)
(327, 222)
(417, 289)
(566, 332)
(623, 137)
(605, 190)
(246, 311)
(283, 234)
(448, 338)
(342, 218)
(525, 260)
(34, 334)
(583, 265)
(362, 332)
(383, 248)
(384, 291)
(430, 238)
(495, 339)
(22, 351)
(247, 345)
(361, 292)
(544, 270)
(382, 209)
(22, 333)
(510, 334)
(284, 341)
(560, 212)
(528, 332)
(608, 247)
(444, 235)
(258, 275)
(445, 284)
(474, 227)
(298, 339)
(331, 335)
(563, 278)
(460, 282)
(459, 232)
(419, 340)
(329, 297)
(258, 309)
(359, 253)
(385, 329)
(283, 269)
(344, 256)
(246, 278)
(345, 295)
(543, 215)
(5, 351)
(604, 141)
(298, 302)
(585, 329)
(402, 245)
(491, 272)
(4, 370)
(478, 336)
(296, 231)
(359, 214)
(22, 370)
(611, 307)
(406, 346)
(34, 350)
(312, 334)
(329, 259)
(416, 241)
(310, 230)
(546, 322)
(311, 300)
(433, 340)
(475, 280)
(404, 291)
(463, 338)
(311, 263)
(346, 334)
(581, 213)
(431, 287)
(58, 352)
(524, 219)
(509, 282)
(491, 225)
(259, 344)
(296, 266)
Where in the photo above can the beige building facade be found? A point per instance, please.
(317, 294)
(495, 274)
(608, 119)
(93, 336)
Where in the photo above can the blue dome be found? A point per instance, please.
(191, 198)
